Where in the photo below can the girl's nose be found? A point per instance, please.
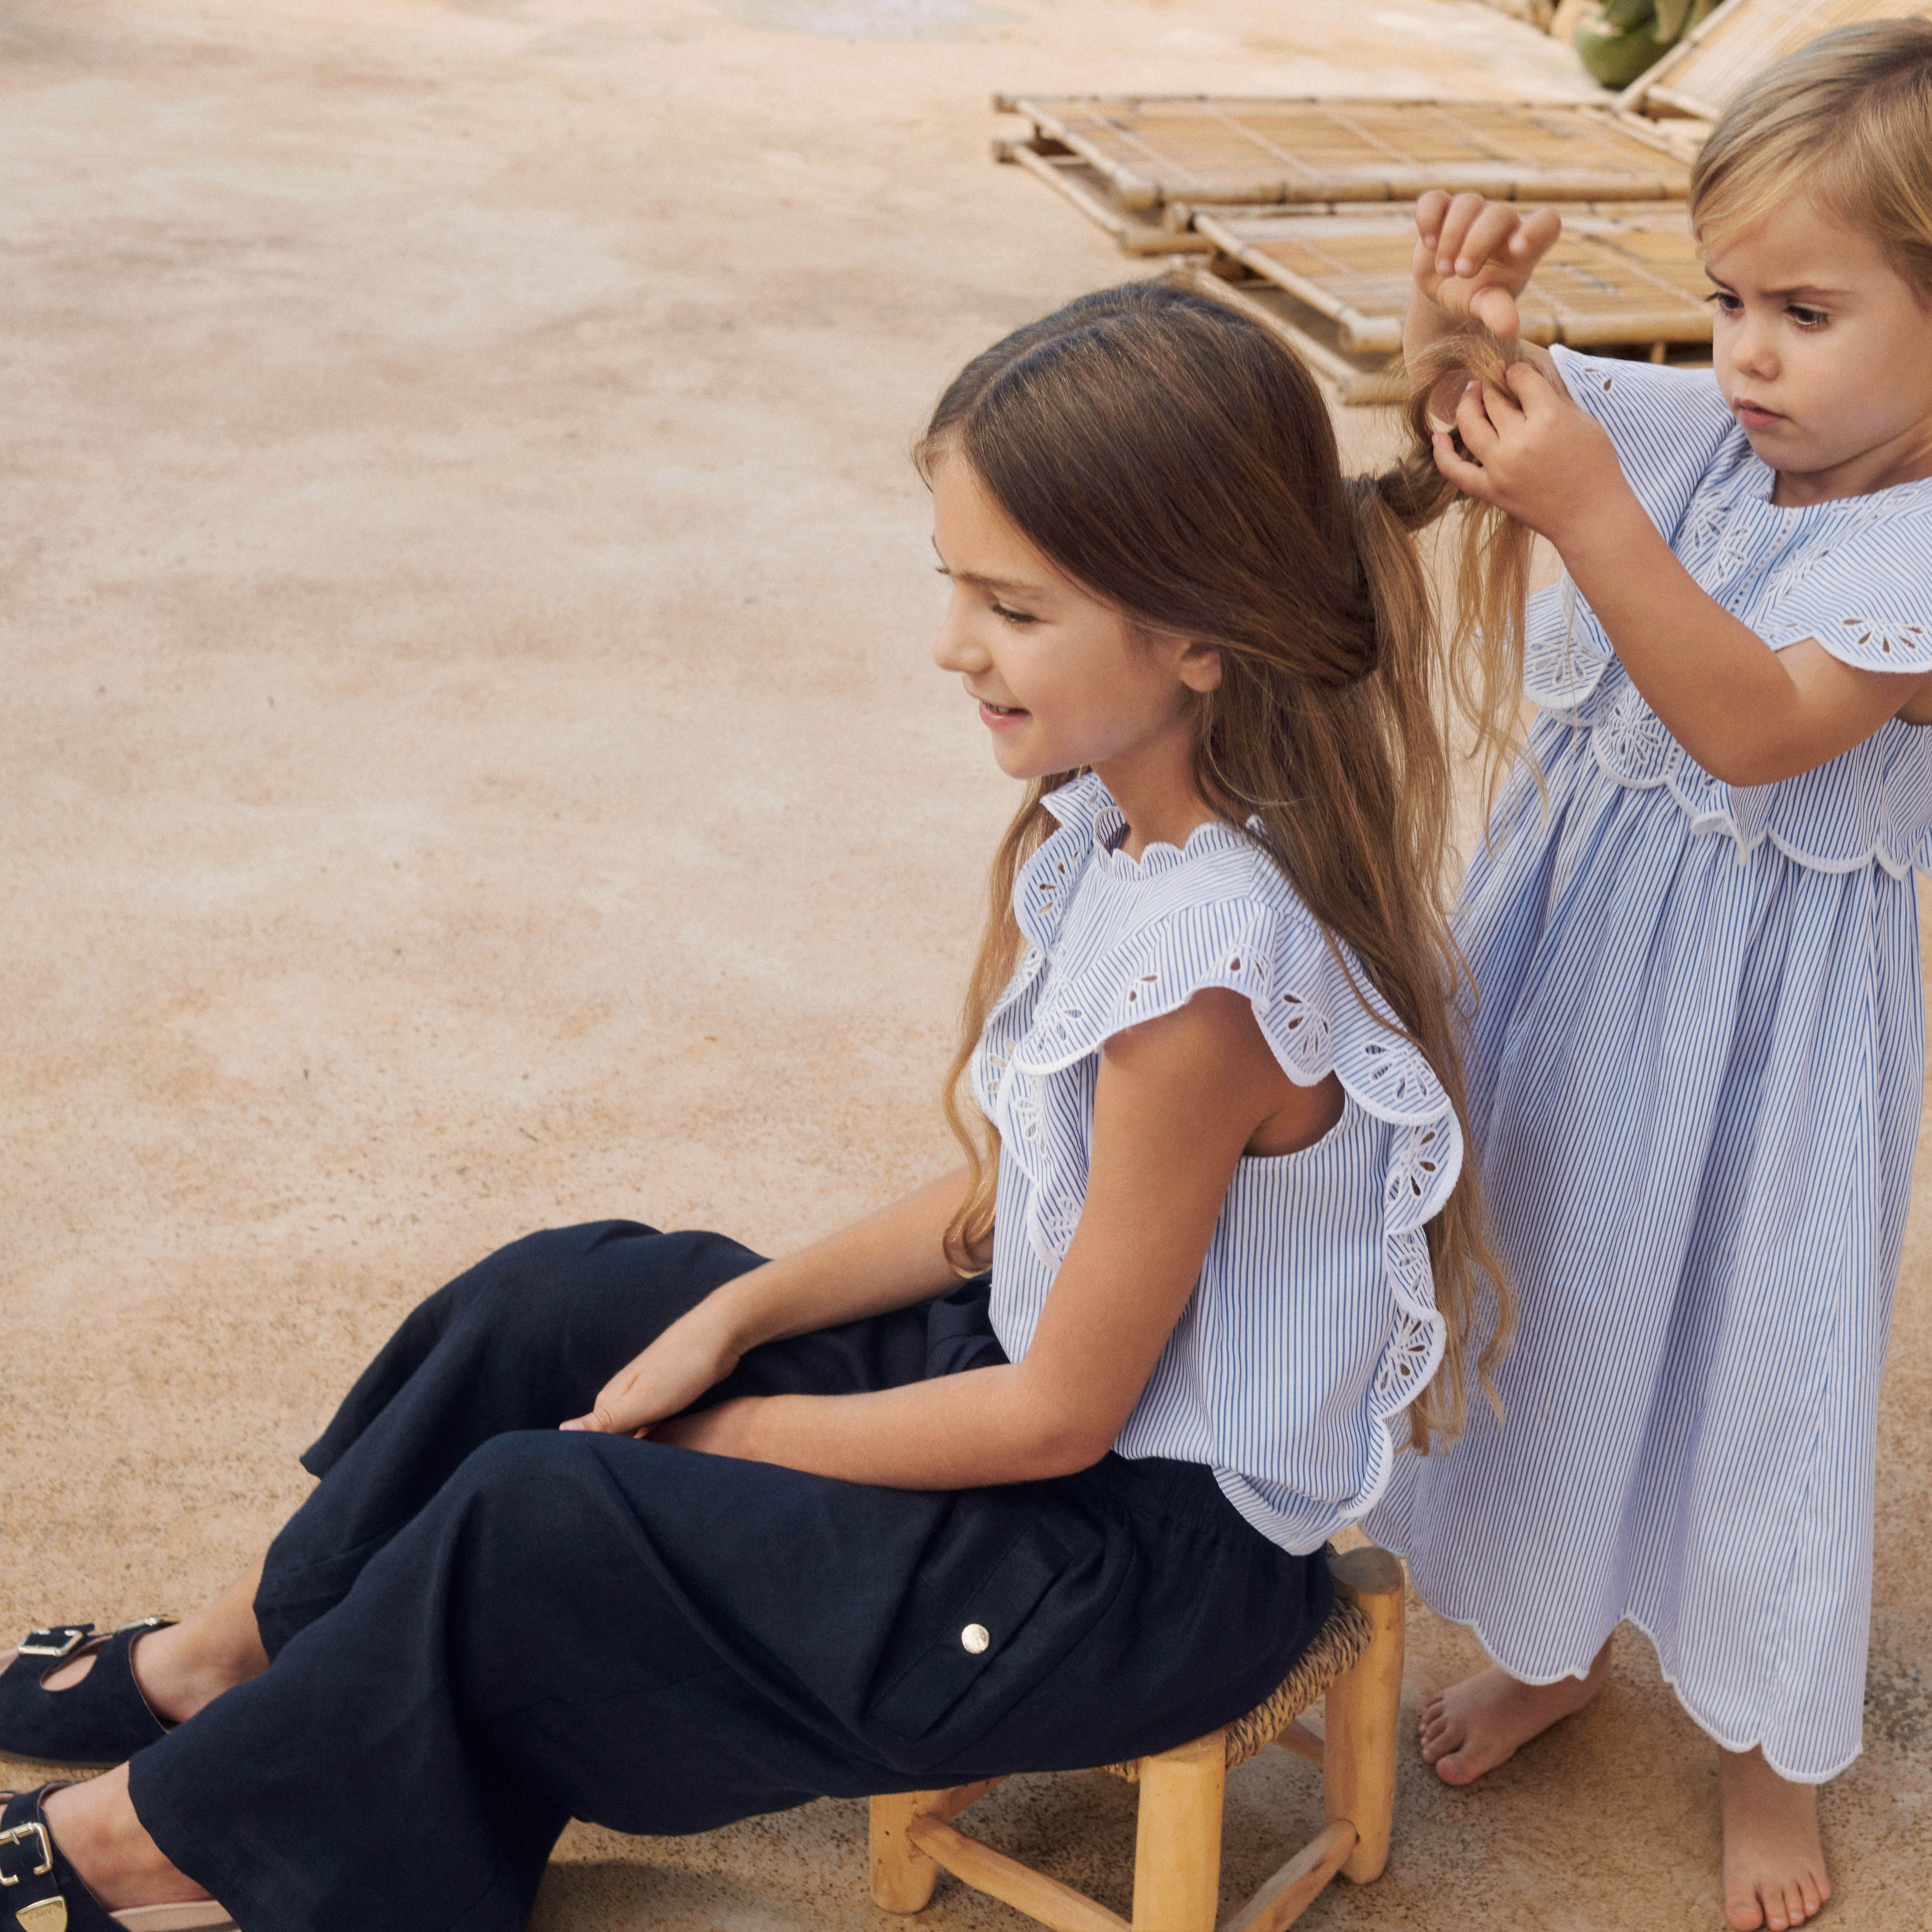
(954, 649)
(1752, 350)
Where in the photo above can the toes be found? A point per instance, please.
(1743, 1913)
(1452, 1768)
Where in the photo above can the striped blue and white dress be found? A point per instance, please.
(1313, 1325)
(1695, 1083)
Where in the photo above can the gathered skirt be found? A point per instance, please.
(1696, 1077)
(480, 1627)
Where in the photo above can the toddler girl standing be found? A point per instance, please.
(877, 1536)
(1699, 1058)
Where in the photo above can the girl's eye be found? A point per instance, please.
(1013, 616)
(1726, 303)
(1807, 318)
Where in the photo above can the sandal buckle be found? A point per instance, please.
(62, 1640)
(20, 1834)
(143, 1623)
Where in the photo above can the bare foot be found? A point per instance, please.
(1774, 1859)
(1474, 1725)
(191, 1663)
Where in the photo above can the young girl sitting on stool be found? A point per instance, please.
(1696, 1071)
(640, 1528)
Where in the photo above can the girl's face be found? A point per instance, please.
(1062, 679)
(1824, 353)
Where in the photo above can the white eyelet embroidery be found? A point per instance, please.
(1413, 1351)
(1308, 1031)
(1905, 641)
(1632, 742)
(1415, 1164)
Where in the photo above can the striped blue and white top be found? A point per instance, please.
(1855, 574)
(1314, 1323)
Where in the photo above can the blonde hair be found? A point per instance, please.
(1846, 122)
(1175, 459)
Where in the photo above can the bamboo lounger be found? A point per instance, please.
(1612, 280)
(1139, 164)
(1688, 89)
(1202, 149)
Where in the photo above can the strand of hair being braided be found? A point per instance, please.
(1484, 648)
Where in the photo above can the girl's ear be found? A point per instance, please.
(1198, 667)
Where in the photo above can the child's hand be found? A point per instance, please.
(1474, 257)
(1538, 457)
(693, 1355)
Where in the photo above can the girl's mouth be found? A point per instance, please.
(996, 715)
(1755, 415)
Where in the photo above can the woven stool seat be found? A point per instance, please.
(1336, 1646)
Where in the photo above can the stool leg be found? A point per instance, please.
(1178, 1849)
(903, 1875)
(1363, 1712)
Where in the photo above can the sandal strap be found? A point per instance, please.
(100, 1720)
(42, 1891)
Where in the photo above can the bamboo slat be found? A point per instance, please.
(1611, 280)
(1209, 149)
(1355, 378)
(1697, 78)
(1138, 231)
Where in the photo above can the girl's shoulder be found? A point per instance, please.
(1855, 574)
(1670, 427)
(1131, 941)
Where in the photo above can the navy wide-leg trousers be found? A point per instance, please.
(481, 1628)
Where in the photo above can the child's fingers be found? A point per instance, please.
(1499, 404)
(1468, 477)
(1531, 388)
(1458, 218)
(1473, 422)
(1494, 307)
(1429, 210)
(1536, 234)
(1487, 237)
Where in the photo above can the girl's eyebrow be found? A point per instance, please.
(1796, 291)
(988, 583)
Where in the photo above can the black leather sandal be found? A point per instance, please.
(44, 1893)
(102, 1721)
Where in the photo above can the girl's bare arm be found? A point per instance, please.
(1749, 716)
(1178, 1100)
(889, 1260)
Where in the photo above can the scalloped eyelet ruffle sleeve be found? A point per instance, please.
(1854, 575)
(1314, 1323)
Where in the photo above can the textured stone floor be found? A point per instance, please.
(470, 761)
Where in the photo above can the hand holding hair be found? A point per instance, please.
(1532, 453)
(1474, 257)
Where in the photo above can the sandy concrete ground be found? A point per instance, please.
(471, 763)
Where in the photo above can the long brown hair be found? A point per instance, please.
(1172, 457)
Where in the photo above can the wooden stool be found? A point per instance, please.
(1356, 1658)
